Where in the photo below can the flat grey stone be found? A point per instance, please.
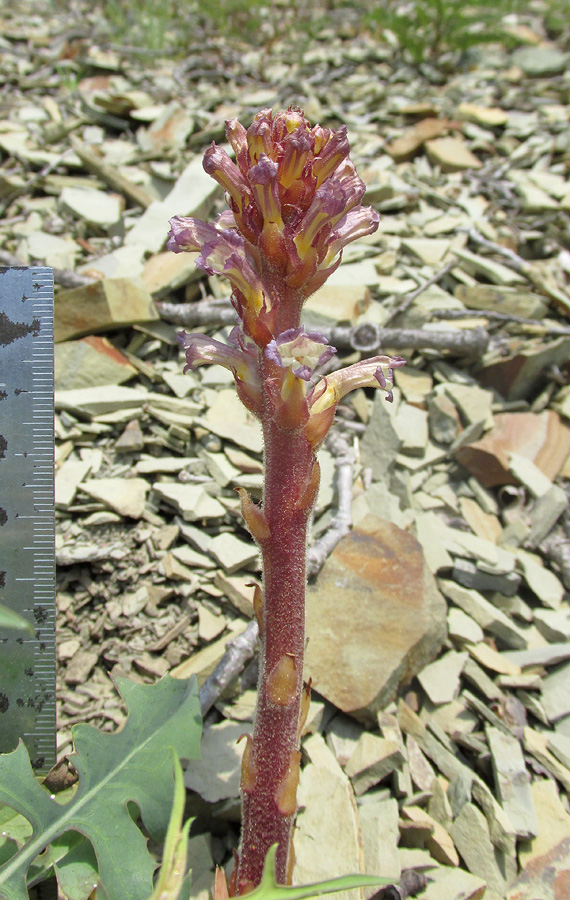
(485, 614)
(216, 775)
(231, 553)
(453, 884)
(372, 760)
(96, 207)
(228, 418)
(96, 401)
(324, 786)
(342, 734)
(540, 656)
(540, 62)
(554, 624)
(470, 575)
(191, 195)
(380, 443)
(379, 827)
(124, 495)
(559, 745)
(556, 693)
(190, 500)
(470, 834)
(440, 680)
(463, 627)
(512, 781)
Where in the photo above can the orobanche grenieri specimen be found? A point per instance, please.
(294, 199)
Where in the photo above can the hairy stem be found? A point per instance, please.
(270, 769)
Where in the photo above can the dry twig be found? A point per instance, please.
(518, 264)
(367, 337)
(340, 525)
(65, 277)
(238, 652)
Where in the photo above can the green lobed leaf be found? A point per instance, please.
(268, 889)
(134, 765)
(76, 871)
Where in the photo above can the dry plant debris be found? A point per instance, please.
(440, 721)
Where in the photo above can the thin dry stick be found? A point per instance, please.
(495, 316)
(274, 261)
(516, 262)
(32, 182)
(367, 337)
(370, 338)
(65, 277)
(238, 652)
(409, 298)
(341, 524)
(205, 312)
(135, 193)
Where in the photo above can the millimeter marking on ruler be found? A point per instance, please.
(27, 539)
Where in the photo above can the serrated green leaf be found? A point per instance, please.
(14, 826)
(134, 765)
(268, 889)
(76, 871)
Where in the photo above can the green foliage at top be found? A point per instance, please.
(423, 28)
(426, 28)
(143, 23)
(235, 18)
(93, 835)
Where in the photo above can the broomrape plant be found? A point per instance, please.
(294, 202)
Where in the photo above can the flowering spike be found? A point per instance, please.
(294, 203)
(236, 356)
(237, 137)
(300, 351)
(357, 223)
(259, 135)
(295, 157)
(318, 426)
(263, 180)
(254, 517)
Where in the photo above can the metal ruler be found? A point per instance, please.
(27, 522)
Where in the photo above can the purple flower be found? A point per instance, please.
(300, 351)
(292, 191)
(223, 253)
(218, 164)
(374, 372)
(239, 355)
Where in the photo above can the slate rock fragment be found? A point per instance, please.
(376, 613)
